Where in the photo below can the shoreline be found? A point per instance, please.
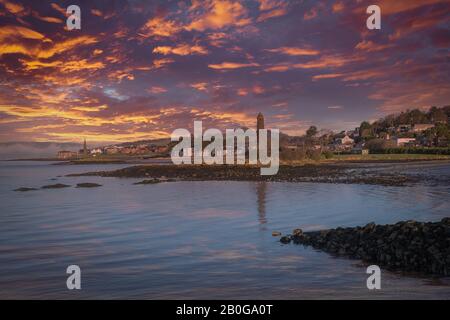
(361, 173)
(338, 159)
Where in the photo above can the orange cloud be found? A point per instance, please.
(321, 63)
(46, 19)
(414, 24)
(397, 97)
(13, 32)
(232, 65)
(242, 92)
(326, 62)
(96, 12)
(90, 108)
(338, 7)
(327, 76)
(393, 7)
(157, 90)
(80, 115)
(159, 27)
(217, 14)
(257, 89)
(364, 75)
(278, 68)
(95, 136)
(60, 80)
(36, 64)
(265, 5)
(66, 45)
(10, 35)
(181, 50)
(272, 14)
(271, 9)
(370, 46)
(59, 9)
(226, 116)
(77, 65)
(160, 63)
(200, 86)
(12, 7)
(121, 74)
(295, 51)
(311, 14)
(217, 39)
(63, 66)
(40, 50)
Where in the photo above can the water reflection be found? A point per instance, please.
(197, 240)
(261, 190)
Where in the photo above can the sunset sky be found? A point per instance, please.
(140, 69)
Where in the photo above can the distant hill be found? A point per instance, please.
(27, 150)
(31, 150)
(157, 142)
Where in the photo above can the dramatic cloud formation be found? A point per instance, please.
(139, 69)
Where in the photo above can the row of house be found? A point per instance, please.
(353, 141)
(411, 135)
(140, 149)
(407, 128)
(400, 136)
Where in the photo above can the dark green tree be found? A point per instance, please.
(311, 132)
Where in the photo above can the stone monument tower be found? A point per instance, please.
(259, 125)
(85, 151)
(259, 122)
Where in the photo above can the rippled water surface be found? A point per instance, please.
(197, 239)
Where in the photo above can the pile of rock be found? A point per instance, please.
(154, 181)
(88, 185)
(408, 246)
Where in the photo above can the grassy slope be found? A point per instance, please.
(389, 157)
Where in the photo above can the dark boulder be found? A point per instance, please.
(285, 239)
(55, 186)
(88, 185)
(24, 189)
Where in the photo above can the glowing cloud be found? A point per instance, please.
(295, 51)
(181, 50)
(217, 14)
(232, 65)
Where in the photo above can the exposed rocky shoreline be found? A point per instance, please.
(409, 246)
(329, 173)
(59, 186)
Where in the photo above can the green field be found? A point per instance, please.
(387, 157)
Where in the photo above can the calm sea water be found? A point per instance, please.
(206, 240)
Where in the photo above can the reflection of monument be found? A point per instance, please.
(261, 188)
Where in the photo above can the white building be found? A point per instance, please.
(96, 151)
(346, 140)
(401, 142)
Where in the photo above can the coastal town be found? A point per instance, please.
(141, 149)
(414, 131)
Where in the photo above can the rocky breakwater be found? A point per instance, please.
(409, 246)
